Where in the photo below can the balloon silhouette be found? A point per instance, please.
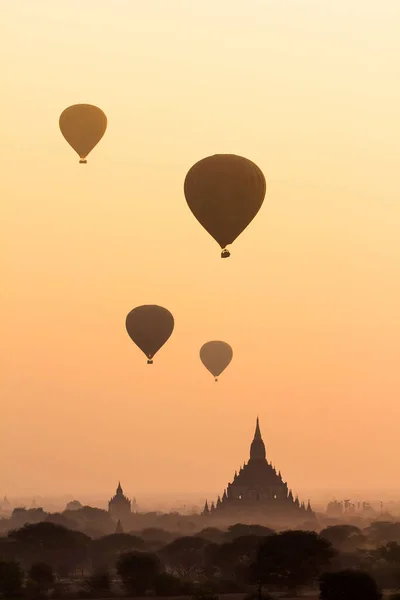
(225, 192)
(149, 326)
(216, 356)
(83, 126)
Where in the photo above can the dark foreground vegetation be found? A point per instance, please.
(341, 562)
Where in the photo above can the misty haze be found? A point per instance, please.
(200, 325)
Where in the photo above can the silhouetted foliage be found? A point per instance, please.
(74, 505)
(204, 593)
(232, 559)
(346, 538)
(348, 585)
(240, 530)
(61, 519)
(40, 579)
(99, 584)
(155, 534)
(106, 550)
(291, 559)
(138, 571)
(380, 533)
(167, 584)
(90, 520)
(390, 553)
(185, 556)
(11, 578)
(64, 550)
(212, 534)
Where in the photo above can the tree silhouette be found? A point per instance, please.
(348, 585)
(239, 530)
(10, 579)
(346, 538)
(64, 550)
(40, 579)
(212, 534)
(167, 585)
(105, 551)
(232, 559)
(138, 571)
(185, 556)
(99, 584)
(291, 559)
(380, 533)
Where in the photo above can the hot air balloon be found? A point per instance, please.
(149, 326)
(216, 356)
(83, 126)
(225, 192)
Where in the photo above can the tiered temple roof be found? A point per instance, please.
(258, 488)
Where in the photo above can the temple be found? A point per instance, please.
(119, 506)
(258, 492)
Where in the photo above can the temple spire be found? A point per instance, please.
(119, 527)
(119, 488)
(257, 448)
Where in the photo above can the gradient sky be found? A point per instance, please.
(309, 300)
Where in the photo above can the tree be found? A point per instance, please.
(40, 579)
(232, 559)
(167, 584)
(61, 519)
(156, 535)
(240, 530)
(390, 553)
(212, 534)
(89, 519)
(291, 559)
(105, 551)
(348, 585)
(64, 550)
(99, 584)
(346, 538)
(138, 571)
(10, 579)
(380, 533)
(185, 556)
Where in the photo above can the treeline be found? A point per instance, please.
(49, 560)
(96, 521)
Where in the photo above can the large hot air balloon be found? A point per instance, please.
(225, 192)
(83, 126)
(216, 356)
(149, 326)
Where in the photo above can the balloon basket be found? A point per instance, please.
(83, 161)
(149, 362)
(225, 253)
(216, 379)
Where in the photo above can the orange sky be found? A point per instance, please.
(309, 300)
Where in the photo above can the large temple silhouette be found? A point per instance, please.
(119, 506)
(258, 491)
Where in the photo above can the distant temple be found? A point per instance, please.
(119, 506)
(258, 491)
(119, 528)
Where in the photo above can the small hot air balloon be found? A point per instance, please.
(216, 356)
(225, 192)
(149, 326)
(83, 126)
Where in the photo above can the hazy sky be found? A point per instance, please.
(310, 298)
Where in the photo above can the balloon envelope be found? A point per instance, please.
(149, 326)
(83, 126)
(225, 192)
(216, 356)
